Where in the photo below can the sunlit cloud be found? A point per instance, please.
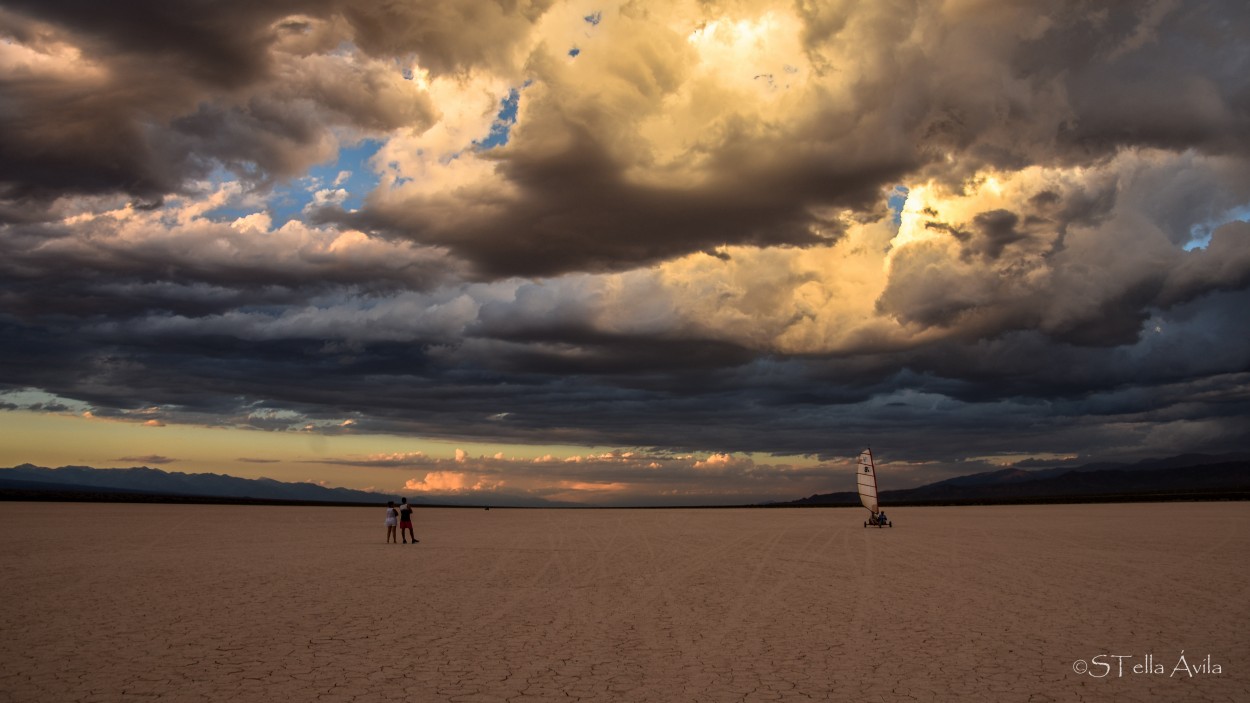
(452, 482)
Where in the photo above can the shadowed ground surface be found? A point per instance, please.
(207, 603)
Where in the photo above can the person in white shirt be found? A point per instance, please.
(391, 515)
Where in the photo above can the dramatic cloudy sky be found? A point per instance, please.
(664, 251)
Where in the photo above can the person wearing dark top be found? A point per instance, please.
(405, 521)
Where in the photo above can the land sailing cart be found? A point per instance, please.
(866, 476)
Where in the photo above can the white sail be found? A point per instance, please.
(866, 472)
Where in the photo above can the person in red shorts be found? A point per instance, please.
(405, 521)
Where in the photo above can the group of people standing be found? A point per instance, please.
(402, 514)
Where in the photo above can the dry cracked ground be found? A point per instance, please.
(210, 603)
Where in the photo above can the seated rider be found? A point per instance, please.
(881, 518)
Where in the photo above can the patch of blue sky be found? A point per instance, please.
(237, 205)
(35, 400)
(1200, 234)
(501, 128)
(345, 181)
(897, 199)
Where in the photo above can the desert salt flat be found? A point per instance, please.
(210, 603)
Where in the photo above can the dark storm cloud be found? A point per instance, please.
(153, 94)
(148, 459)
(529, 346)
(576, 211)
(1224, 265)
(222, 43)
(98, 129)
(48, 408)
(946, 402)
(1168, 85)
(449, 37)
(1162, 75)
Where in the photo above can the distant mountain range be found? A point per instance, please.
(33, 482)
(1197, 476)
